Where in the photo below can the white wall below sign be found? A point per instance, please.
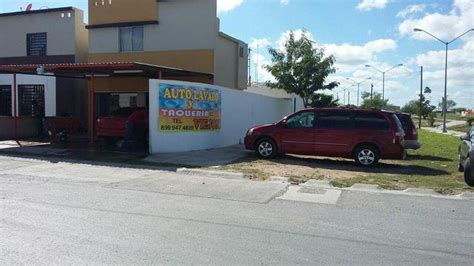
(240, 111)
(49, 89)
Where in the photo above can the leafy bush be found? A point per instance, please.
(470, 121)
(431, 119)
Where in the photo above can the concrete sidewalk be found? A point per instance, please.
(440, 131)
(202, 158)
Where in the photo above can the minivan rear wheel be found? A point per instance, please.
(266, 148)
(366, 155)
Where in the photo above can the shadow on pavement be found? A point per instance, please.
(81, 153)
(427, 158)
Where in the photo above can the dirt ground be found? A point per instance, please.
(302, 168)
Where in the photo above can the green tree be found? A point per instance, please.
(301, 69)
(373, 101)
(320, 100)
(413, 107)
(450, 104)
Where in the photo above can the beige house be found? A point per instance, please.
(183, 34)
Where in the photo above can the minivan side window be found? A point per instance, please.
(334, 120)
(370, 121)
(302, 120)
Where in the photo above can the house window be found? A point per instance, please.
(36, 44)
(131, 39)
(5, 100)
(241, 51)
(31, 100)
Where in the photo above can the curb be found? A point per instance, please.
(209, 173)
(280, 179)
(416, 192)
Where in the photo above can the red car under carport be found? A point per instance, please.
(115, 125)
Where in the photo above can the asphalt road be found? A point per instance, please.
(58, 213)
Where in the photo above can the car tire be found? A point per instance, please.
(468, 177)
(110, 141)
(266, 148)
(366, 155)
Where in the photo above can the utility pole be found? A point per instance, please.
(344, 96)
(421, 97)
(349, 98)
(256, 67)
(250, 68)
(371, 94)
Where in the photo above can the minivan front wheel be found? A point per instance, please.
(266, 148)
(366, 155)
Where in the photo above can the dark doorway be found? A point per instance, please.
(5, 100)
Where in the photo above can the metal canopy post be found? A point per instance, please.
(91, 109)
(15, 112)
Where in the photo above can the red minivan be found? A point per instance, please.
(365, 135)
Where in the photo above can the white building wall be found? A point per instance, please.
(49, 89)
(240, 111)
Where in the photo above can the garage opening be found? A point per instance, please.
(5, 100)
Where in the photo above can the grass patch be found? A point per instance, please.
(460, 128)
(438, 152)
(249, 170)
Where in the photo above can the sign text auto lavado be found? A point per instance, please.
(189, 108)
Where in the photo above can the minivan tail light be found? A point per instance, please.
(414, 132)
(397, 137)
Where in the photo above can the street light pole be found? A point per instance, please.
(383, 75)
(358, 87)
(445, 100)
(383, 85)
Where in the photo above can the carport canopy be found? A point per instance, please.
(90, 71)
(86, 70)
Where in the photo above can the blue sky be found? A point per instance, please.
(357, 32)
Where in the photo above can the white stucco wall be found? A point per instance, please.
(240, 111)
(49, 89)
(263, 90)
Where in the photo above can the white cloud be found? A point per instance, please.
(444, 26)
(259, 62)
(227, 5)
(284, 2)
(410, 10)
(260, 43)
(349, 54)
(462, 57)
(366, 5)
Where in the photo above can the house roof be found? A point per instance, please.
(38, 11)
(85, 70)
